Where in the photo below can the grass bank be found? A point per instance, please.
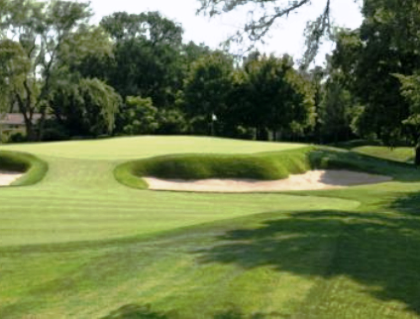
(33, 168)
(261, 166)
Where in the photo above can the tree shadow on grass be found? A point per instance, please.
(377, 250)
(238, 314)
(408, 203)
(135, 311)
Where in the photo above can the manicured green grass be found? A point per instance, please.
(79, 244)
(400, 154)
(80, 199)
(147, 146)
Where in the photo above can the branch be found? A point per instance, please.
(258, 29)
(22, 107)
(210, 7)
(31, 51)
(314, 33)
(46, 87)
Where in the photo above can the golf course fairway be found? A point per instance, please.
(78, 243)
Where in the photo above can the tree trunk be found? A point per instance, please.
(40, 124)
(417, 157)
(31, 134)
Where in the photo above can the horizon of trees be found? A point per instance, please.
(133, 74)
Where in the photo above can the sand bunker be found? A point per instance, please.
(311, 180)
(7, 178)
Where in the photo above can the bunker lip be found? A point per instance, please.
(311, 180)
(8, 177)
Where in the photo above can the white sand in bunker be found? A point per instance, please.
(7, 178)
(311, 180)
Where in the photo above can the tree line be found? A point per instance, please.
(134, 74)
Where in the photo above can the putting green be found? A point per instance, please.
(79, 244)
(147, 146)
(79, 199)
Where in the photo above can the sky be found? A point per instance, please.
(285, 37)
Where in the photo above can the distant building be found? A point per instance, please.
(11, 122)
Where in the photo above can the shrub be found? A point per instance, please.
(17, 137)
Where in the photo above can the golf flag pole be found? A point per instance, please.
(213, 119)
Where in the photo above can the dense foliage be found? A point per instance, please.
(133, 74)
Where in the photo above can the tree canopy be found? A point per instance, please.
(135, 74)
(47, 38)
(277, 97)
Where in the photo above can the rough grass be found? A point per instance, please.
(260, 166)
(400, 154)
(376, 149)
(266, 166)
(81, 245)
(33, 168)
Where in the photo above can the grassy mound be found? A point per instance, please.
(33, 168)
(399, 154)
(262, 166)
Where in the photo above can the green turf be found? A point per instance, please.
(400, 154)
(81, 245)
(260, 166)
(147, 146)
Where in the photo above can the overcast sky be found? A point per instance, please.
(286, 37)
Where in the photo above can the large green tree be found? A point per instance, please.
(410, 90)
(207, 88)
(140, 116)
(274, 96)
(337, 110)
(146, 58)
(13, 68)
(317, 76)
(86, 108)
(387, 43)
(47, 37)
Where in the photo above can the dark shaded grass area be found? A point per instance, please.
(379, 250)
(133, 311)
(138, 311)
